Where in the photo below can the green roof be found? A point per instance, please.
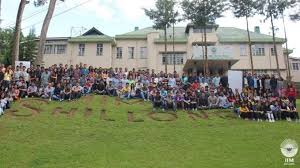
(138, 34)
(225, 35)
(91, 38)
(231, 35)
(179, 33)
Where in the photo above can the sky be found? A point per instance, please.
(112, 17)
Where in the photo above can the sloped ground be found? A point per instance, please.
(99, 132)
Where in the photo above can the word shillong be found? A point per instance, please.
(170, 116)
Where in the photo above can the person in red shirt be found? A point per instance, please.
(195, 85)
(291, 93)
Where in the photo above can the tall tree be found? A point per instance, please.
(16, 42)
(273, 9)
(44, 30)
(6, 42)
(203, 13)
(28, 47)
(283, 7)
(174, 20)
(162, 17)
(245, 8)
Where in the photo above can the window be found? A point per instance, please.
(258, 50)
(202, 30)
(143, 53)
(169, 58)
(60, 49)
(48, 49)
(243, 51)
(81, 49)
(119, 52)
(99, 50)
(131, 52)
(295, 66)
(272, 52)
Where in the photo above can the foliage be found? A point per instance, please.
(6, 42)
(163, 15)
(203, 12)
(243, 8)
(28, 47)
(38, 3)
(295, 13)
(275, 8)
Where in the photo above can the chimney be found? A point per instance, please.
(136, 28)
(257, 29)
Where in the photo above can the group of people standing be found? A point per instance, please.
(263, 98)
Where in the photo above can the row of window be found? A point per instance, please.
(257, 50)
(55, 49)
(81, 49)
(295, 66)
(208, 30)
(131, 52)
(170, 60)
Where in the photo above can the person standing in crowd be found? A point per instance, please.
(291, 93)
(224, 81)
(273, 84)
(45, 77)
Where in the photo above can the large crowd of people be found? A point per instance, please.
(263, 97)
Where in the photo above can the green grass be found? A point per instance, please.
(81, 140)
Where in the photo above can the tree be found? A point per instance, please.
(162, 16)
(6, 43)
(295, 14)
(245, 8)
(203, 13)
(16, 41)
(174, 20)
(44, 30)
(28, 47)
(273, 9)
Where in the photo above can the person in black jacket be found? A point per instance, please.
(273, 84)
(224, 81)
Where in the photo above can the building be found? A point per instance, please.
(144, 49)
(295, 68)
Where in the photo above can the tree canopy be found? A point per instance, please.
(163, 16)
(202, 12)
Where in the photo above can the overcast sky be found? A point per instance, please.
(120, 16)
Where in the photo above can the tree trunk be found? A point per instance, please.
(166, 56)
(43, 36)
(17, 33)
(174, 48)
(202, 48)
(250, 47)
(274, 44)
(205, 52)
(289, 78)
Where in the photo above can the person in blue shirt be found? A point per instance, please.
(250, 81)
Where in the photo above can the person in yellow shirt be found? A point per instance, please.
(7, 76)
(245, 112)
(125, 91)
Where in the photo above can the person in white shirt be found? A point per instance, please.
(32, 90)
(48, 92)
(172, 81)
(76, 91)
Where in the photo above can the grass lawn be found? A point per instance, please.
(98, 132)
